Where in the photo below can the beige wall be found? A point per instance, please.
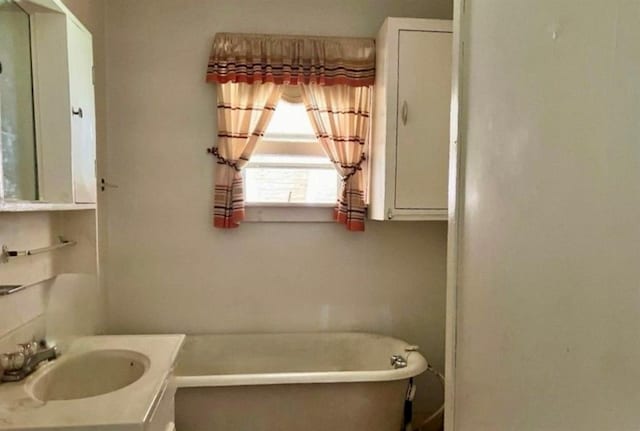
(63, 297)
(18, 232)
(168, 269)
(26, 230)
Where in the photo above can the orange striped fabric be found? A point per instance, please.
(244, 110)
(291, 60)
(340, 116)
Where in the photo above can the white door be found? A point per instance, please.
(548, 293)
(83, 114)
(424, 95)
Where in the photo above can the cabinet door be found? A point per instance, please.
(83, 114)
(424, 98)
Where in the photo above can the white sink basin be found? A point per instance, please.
(99, 383)
(89, 374)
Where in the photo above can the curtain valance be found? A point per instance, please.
(291, 60)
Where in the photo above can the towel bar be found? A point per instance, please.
(7, 254)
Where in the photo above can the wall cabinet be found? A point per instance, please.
(63, 108)
(410, 136)
(83, 135)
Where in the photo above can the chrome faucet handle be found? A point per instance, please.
(12, 361)
(29, 349)
(397, 361)
(5, 361)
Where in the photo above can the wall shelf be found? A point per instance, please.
(26, 206)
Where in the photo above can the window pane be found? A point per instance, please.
(290, 122)
(291, 159)
(291, 184)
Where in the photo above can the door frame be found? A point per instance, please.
(456, 206)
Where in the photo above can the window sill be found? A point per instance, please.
(288, 213)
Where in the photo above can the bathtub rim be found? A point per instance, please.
(417, 365)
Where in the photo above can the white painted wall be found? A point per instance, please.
(168, 269)
(64, 298)
(548, 295)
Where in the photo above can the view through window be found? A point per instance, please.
(289, 166)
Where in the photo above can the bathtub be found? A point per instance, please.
(292, 382)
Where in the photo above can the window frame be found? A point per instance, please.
(279, 144)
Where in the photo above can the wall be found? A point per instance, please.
(168, 269)
(63, 298)
(548, 293)
(20, 231)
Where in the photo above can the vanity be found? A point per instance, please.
(111, 383)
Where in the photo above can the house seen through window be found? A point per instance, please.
(289, 166)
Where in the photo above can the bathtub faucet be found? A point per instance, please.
(397, 361)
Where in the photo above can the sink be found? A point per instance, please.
(88, 374)
(100, 382)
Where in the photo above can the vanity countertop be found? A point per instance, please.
(127, 408)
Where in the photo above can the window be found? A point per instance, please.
(289, 167)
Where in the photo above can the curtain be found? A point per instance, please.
(340, 116)
(336, 76)
(244, 111)
(283, 59)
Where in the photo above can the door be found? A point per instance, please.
(83, 113)
(547, 332)
(424, 95)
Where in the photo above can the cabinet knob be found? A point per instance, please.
(77, 112)
(405, 112)
(389, 213)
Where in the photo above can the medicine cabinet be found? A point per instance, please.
(47, 108)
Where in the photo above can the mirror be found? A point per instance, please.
(17, 131)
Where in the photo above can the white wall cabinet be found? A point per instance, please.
(64, 108)
(83, 135)
(410, 141)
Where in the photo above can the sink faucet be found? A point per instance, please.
(18, 365)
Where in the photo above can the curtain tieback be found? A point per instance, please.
(222, 160)
(352, 167)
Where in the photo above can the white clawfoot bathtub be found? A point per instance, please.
(293, 382)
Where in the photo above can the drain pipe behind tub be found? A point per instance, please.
(398, 361)
(440, 410)
(408, 406)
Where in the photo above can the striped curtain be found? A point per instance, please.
(336, 76)
(340, 116)
(291, 60)
(244, 111)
